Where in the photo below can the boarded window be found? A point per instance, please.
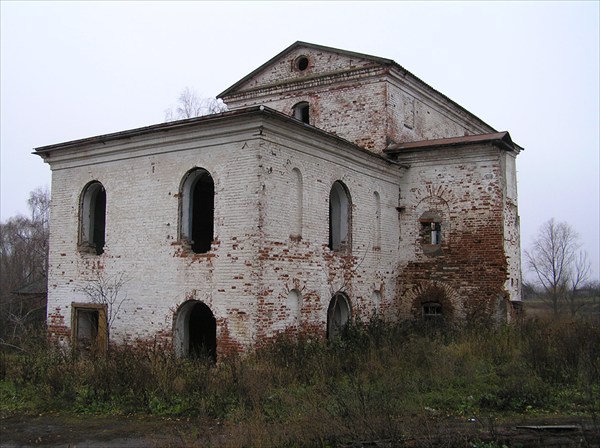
(92, 222)
(197, 210)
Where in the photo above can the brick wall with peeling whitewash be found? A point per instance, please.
(254, 264)
(366, 103)
(304, 262)
(467, 188)
(512, 234)
(142, 179)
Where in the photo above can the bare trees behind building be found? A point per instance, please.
(190, 105)
(23, 267)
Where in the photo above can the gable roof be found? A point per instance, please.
(375, 59)
(294, 46)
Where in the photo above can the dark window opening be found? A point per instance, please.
(432, 310)
(99, 226)
(301, 112)
(202, 333)
(302, 63)
(93, 219)
(339, 218)
(198, 211)
(202, 215)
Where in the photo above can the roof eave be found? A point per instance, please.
(46, 151)
(43, 150)
(500, 139)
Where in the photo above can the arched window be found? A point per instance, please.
(296, 204)
(340, 219)
(197, 210)
(92, 220)
(301, 112)
(338, 315)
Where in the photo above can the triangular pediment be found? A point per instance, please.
(303, 61)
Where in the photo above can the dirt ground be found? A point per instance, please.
(137, 432)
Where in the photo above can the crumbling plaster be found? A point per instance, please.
(269, 269)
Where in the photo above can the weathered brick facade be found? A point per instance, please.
(360, 212)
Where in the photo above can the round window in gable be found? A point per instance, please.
(301, 63)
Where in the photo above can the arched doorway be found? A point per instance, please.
(338, 315)
(195, 331)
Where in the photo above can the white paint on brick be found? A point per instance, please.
(269, 250)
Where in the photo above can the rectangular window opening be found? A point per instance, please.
(89, 328)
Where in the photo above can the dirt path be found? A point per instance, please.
(117, 432)
(141, 432)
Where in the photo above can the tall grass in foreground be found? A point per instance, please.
(362, 385)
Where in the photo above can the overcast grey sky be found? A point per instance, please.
(71, 70)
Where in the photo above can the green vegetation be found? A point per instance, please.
(363, 386)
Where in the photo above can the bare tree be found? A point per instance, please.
(190, 105)
(578, 279)
(106, 290)
(24, 266)
(560, 267)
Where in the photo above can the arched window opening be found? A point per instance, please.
(196, 331)
(432, 310)
(339, 217)
(296, 203)
(301, 112)
(338, 315)
(377, 224)
(92, 230)
(197, 217)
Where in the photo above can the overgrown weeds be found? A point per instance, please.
(360, 386)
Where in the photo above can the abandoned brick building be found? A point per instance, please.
(337, 186)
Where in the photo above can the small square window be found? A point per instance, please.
(432, 310)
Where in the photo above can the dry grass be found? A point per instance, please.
(365, 386)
